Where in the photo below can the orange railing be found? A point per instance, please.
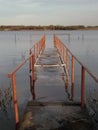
(38, 48)
(64, 53)
(34, 53)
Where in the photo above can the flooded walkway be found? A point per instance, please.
(49, 72)
(48, 111)
(55, 116)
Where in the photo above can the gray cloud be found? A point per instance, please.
(47, 3)
(41, 8)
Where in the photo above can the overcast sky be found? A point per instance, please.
(46, 12)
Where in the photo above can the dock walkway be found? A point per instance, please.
(51, 108)
(49, 72)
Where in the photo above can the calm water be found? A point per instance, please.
(14, 47)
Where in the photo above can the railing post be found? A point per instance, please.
(34, 52)
(32, 76)
(33, 61)
(15, 99)
(63, 53)
(54, 41)
(82, 86)
(66, 59)
(38, 49)
(64, 56)
(72, 78)
(30, 61)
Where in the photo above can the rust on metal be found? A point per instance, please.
(64, 54)
(82, 86)
(59, 45)
(72, 79)
(57, 41)
(11, 75)
(15, 99)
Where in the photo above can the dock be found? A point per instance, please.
(52, 106)
(55, 116)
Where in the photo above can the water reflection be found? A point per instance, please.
(6, 110)
(32, 87)
(66, 83)
(13, 51)
(5, 99)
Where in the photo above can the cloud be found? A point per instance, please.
(64, 18)
(45, 11)
(63, 2)
(46, 2)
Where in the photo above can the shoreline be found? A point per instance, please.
(46, 28)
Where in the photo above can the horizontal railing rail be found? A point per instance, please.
(34, 52)
(64, 52)
(38, 47)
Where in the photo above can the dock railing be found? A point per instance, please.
(34, 53)
(64, 53)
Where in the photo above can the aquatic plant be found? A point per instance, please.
(92, 102)
(5, 99)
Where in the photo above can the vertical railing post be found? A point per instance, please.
(72, 78)
(60, 49)
(44, 41)
(82, 86)
(34, 52)
(38, 49)
(64, 56)
(15, 99)
(66, 59)
(63, 53)
(32, 78)
(54, 41)
(30, 61)
(33, 61)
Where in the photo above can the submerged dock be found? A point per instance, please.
(48, 79)
(49, 111)
(55, 116)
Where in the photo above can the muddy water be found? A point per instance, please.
(14, 48)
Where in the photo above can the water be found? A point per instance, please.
(14, 47)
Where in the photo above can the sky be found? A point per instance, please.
(49, 12)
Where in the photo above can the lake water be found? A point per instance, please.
(14, 47)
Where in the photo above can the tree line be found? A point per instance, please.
(49, 27)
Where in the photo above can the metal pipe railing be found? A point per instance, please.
(72, 77)
(14, 86)
(60, 46)
(39, 47)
